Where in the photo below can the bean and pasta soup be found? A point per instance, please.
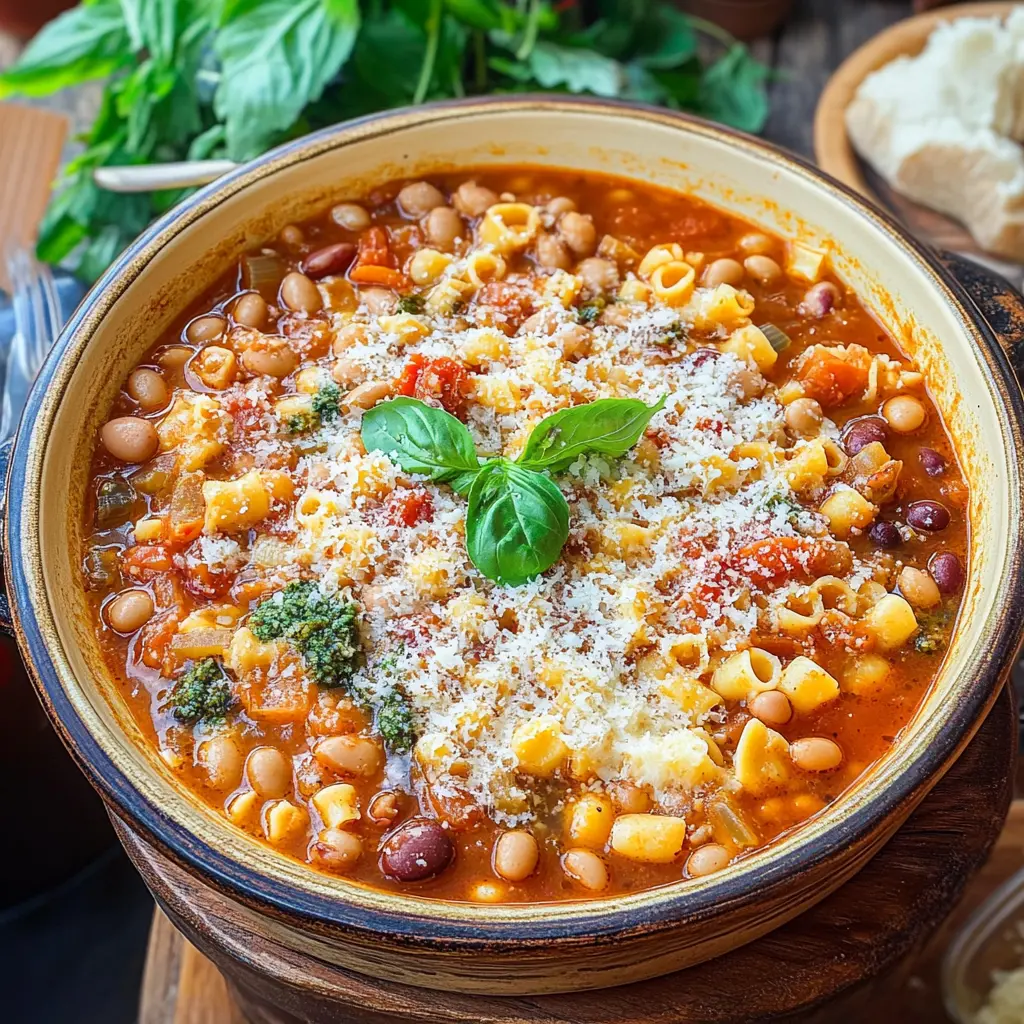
(524, 535)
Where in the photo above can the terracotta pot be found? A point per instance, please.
(23, 19)
(745, 19)
(511, 949)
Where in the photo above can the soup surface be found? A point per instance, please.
(379, 609)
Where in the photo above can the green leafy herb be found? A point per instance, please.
(323, 629)
(387, 699)
(516, 524)
(276, 56)
(393, 718)
(673, 335)
(788, 506)
(324, 406)
(609, 426)
(201, 692)
(327, 402)
(411, 304)
(590, 311)
(422, 439)
(934, 631)
(518, 520)
(86, 43)
(192, 79)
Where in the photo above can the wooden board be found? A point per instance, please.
(866, 928)
(835, 154)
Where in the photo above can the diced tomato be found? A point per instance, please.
(443, 380)
(375, 249)
(245, 410)
(141, 561)
(405, 383)
(375, 262)
(202, 581)
(832, 375)
(410, 507)
(504, 305)
(774, 560)
(155, 640)
(715, 426)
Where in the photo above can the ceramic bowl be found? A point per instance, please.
(483, 948)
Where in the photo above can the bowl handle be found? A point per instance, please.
(997, 300)
(6, 621)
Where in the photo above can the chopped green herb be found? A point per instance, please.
(324, 407)
(934, 631)
(411, 304)
(789, 506)
(201, 692)
(327, 402)
(301, 422)
(590, 311)
(323, 629)
(674, 334)
(394, 721)
(392, 712)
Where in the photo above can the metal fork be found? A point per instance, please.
(37, 320)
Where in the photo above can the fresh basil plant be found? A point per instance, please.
(518, 520)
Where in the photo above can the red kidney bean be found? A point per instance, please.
(928, 515)
(861, 432)
(331, 259)
(418, 849)
(820, 299)
(885, 535)
(948, 572)
(932, 462)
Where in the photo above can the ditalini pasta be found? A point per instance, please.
(520, 535)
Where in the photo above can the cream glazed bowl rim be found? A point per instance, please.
(323, 904)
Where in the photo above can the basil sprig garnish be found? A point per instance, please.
(423, 440)
(518, 520)
(516, 523)
(609, 426)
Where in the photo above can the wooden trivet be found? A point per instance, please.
(867, 928)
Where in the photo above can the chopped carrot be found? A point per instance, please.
(832, 375)
(378, 275)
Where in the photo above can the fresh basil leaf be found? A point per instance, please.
(732, 90)
(276, 56)
(483, 14)
(680, 86)
(153, 26)
(666, 39)
(87, 42)
(422, 439)
(609, 426)
(578, 70)
(101, 251)
(516, 524)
